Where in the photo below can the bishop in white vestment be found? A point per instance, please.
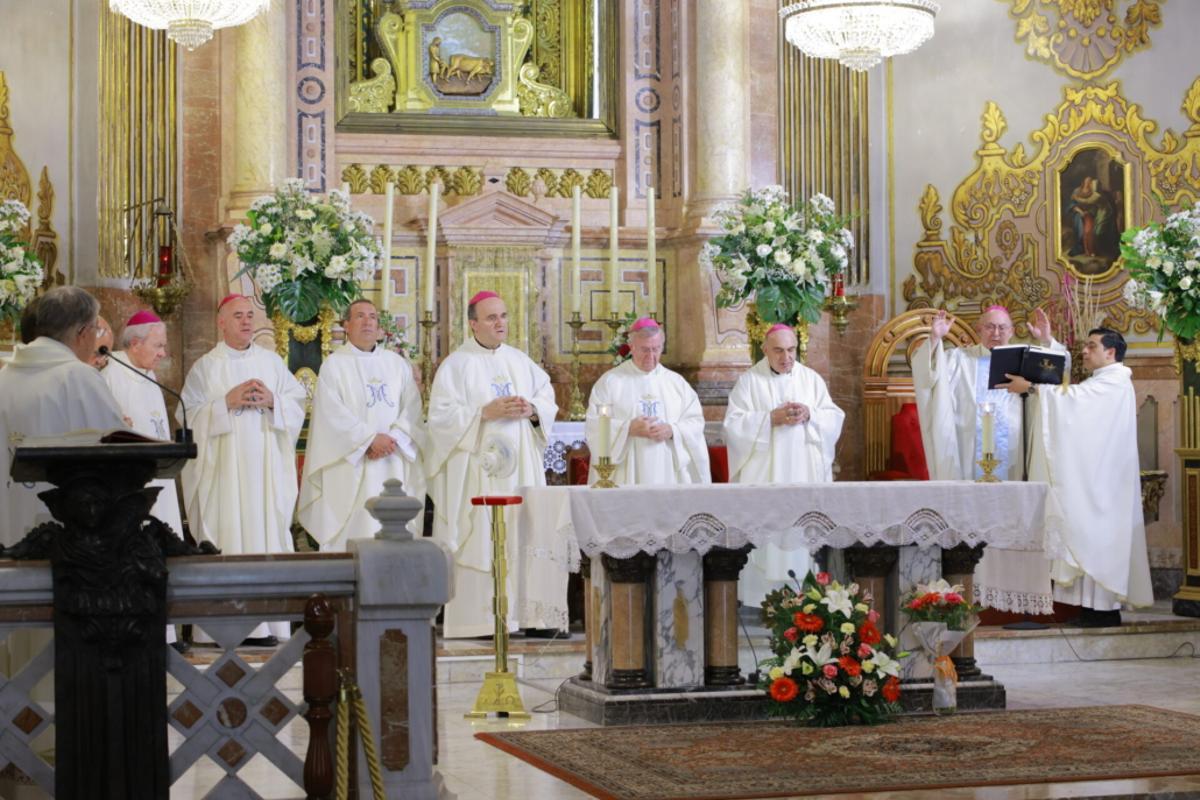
(366, 428)
(246, 410)
(952, 396)
(1084, 445)
(144, 343)
(490, 410)
(781, 426)
(646, 418)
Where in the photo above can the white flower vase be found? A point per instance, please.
(937, 641)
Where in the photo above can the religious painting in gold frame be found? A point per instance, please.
(1093, 207)
(548, 67)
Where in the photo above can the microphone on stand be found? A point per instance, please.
(184, 434)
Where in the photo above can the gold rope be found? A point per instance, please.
(350, 699)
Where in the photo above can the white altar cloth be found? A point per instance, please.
(1010, 518)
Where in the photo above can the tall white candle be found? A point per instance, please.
(435, 190)
(386, 269)
(346, 188)
(651, 250)
(613, 245)
(605, 429)
(989, 429)
(576, 221)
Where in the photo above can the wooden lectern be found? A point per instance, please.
(108, 562)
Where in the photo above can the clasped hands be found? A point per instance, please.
(790, 414)
(508, 408)
(381, 446)
(250, 394)
(650, 428)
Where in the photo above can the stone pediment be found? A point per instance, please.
(501, 219)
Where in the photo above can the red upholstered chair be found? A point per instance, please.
(907, 459)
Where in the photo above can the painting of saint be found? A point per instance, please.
(1092, 191)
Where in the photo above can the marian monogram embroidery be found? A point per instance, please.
(378, 391)
(160, 427)
(648, 406)
(501, 386)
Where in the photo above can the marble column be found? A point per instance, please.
(870, 567)
(260, 106)
(721, 570)
(627, 638)
(722, 88)
(958, 567)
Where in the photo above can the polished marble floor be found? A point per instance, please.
(472, 770)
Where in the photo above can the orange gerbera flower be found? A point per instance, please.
(809, 623)
(850, 666)
(868, 633)
(784, 690)
(891, 689)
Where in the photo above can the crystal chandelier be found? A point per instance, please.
(859, 33)
(189, 22)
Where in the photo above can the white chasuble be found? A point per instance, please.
(951, 387)
(661, 395)
(1085, 446)
(44, 391)
(359, 395)
(143, 404)
(470, 378)
(762, 453)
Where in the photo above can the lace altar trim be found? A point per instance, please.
(1017, 602)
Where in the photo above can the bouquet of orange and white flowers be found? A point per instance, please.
(940, 618)
(832, 665)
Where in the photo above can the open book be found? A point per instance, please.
(86, 436)
(1034, 364)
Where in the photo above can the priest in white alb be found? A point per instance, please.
(490, 411)
(781, 426)
(246, 410)
(49, 388)
(144, 345)
(366, 428)
(952, 398)
(646, 418)
(1084, 444)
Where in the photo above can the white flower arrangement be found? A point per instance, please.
(303, 250)
(20, 271)
(1163, 261)
(782, 256)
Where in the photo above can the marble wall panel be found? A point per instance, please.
(679, 620)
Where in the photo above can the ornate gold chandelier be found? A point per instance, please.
(189, 22)
(859, 33)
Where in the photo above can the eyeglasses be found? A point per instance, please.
(997, 328)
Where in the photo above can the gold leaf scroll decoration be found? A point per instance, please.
(356, 177)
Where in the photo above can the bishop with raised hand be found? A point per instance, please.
(647, 417)
(781, 426)
(1084, 444)
(143, 347)
(366, 428)
(487, 397)
(246, 410)
(953, 394)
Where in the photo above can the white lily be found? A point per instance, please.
(885, 664)
(838, 600)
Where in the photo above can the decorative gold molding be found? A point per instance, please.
(541, 99)
(467, 181)
(374, 95)
(1006, 209)
(1084, 39)
(14, 178)
(286, 331)
(45, 240)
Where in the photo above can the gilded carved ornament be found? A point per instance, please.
(374, 95)
(14, 178)
(1084, 39)
(1011, 239)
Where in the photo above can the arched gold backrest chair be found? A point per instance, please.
(887, 381)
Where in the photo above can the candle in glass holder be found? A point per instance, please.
(989, 428)
(602, 445)
(839, 285)
(164, 265)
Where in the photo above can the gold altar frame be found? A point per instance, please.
(601, 50)
(1068, 160)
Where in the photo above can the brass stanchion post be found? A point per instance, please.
(499, 694)
(427, 322)
(575, 408)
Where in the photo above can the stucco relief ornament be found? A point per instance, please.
(1084, 38)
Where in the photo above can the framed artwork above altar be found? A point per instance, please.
(1094, 207)
(487, 67)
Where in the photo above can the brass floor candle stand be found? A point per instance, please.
(499, 694)
(427, 322)
(575, 408)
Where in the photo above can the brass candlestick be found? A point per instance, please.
(427, 322)
(839, 308)
(614, 322)
(605, 468)
(988, 464)
(575, 408)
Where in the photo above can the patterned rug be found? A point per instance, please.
(718, 761)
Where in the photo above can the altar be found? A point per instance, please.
(661, 564)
